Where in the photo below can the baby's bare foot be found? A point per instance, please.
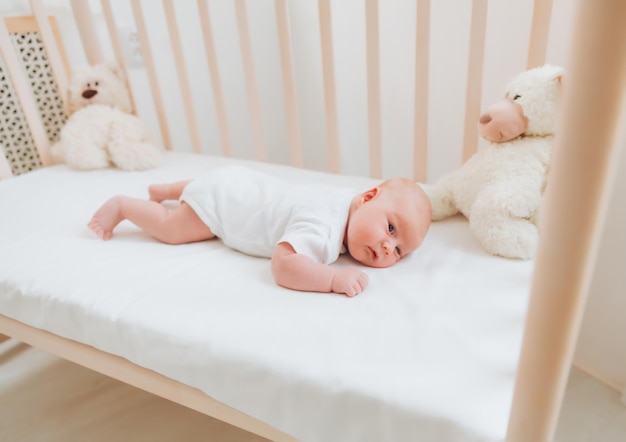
(159, 192)
(106, 218)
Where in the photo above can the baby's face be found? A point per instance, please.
(387, 225)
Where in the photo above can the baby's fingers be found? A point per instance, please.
(349, 281)
(363, 281)
(352, 290)
(358, 285)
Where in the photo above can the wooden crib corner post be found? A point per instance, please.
(26, 99)
(575, 204)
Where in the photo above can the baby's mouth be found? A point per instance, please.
(373, 253)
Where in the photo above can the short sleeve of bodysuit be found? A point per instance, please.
(317, 222)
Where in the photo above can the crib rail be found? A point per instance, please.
(148, 380)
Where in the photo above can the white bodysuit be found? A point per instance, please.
(253, 212)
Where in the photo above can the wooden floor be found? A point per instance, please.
(592, 412)
(43, 398)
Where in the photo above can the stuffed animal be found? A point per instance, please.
(499, 189)
(101, 130)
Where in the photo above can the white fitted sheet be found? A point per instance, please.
(427, 352)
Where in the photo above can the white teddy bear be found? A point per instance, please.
(101, 130)
(499, 189)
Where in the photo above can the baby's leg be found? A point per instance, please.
(179, 226)
(168, 191)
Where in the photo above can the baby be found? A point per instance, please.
(302, 228)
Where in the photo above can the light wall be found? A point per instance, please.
(601, 347)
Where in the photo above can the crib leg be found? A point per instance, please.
(571, 227)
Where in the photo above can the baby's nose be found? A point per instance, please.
(387, 247)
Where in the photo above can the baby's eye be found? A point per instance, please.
(391, 228)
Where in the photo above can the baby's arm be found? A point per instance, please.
(299, 272)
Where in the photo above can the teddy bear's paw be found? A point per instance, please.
(510, 238)
(524, 246)
(441, 201)
(522, 205)
(136, 156)
(85, 157)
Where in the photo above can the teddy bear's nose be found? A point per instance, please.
(485, 118)
(89, 93)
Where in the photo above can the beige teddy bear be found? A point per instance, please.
(101, 130)
(499, 189)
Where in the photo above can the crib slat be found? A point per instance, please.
(474, 77)
(373, 87)
(216, 84)
(114, 36)
(144, 42)
(576, 203)
(289, 83)
(25, 96)
(116, 43)
(330, 95)
(539, 32)
(87, 31)
(52, 50)
(183, 78)
(422, 66)
(250, 76)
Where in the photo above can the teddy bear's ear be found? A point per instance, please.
(115, 68)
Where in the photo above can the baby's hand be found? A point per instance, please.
(349, 281)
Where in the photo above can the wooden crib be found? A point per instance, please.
(223, 98)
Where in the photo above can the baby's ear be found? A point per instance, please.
(370, 194)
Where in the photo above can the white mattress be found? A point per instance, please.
(427, 352)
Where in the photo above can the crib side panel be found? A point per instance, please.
(33, 109)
